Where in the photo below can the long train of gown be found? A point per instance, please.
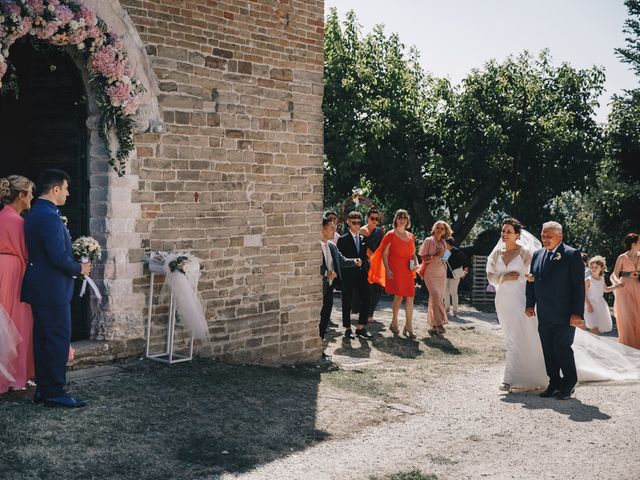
(597, 358)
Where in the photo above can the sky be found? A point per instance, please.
(454, 36)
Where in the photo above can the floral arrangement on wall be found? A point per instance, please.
(64, 23)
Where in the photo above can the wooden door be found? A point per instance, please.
(44, 127)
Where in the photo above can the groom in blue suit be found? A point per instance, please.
(48, 288)
(556, 290)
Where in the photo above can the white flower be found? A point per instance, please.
(81, 46)
(51, 8)
(557, 256)
(1, 18)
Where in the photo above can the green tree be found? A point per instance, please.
(510, 138)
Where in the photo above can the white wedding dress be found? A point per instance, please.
(597, 358)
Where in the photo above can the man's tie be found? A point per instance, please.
(547, 258)
(357, 239)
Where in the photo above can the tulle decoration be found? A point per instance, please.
(9, 339)
(184, 287)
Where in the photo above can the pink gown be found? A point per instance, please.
(435, 278)
(16, 315)
(627, 306)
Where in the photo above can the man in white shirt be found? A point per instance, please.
(332, 262)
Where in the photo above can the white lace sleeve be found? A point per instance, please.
(492, 271)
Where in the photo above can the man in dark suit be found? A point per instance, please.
(556, 291)
(353, 245)
(331, 270)
(48, 287)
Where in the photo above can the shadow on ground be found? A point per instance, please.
(572, 408)
(155, 421)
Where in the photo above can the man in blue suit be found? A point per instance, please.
(48, 287)
(556, 290)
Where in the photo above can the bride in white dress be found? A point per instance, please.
(597, 358)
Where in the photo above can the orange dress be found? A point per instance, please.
(13, 262)
(400, 254)
(627, 306)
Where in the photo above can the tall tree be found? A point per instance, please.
(511, 137)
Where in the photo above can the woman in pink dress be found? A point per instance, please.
(16, 193)
(393, 265)
(627, 303)
(434, 273)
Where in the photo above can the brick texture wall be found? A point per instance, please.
(240, 95)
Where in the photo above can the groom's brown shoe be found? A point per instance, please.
(549, 392)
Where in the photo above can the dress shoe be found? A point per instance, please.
(37, 397)
(362, 333)
(549, 392)
(64, 400)
(326, 357)
(349, 334)
(332, 324)
(565, 393)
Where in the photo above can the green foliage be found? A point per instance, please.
(598, 219)
(631, 54)
(510, 138)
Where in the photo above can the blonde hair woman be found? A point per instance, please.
(434, 274)
(16, 320)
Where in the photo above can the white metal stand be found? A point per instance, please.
(168, 356)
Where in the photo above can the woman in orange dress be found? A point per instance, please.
(16, 193)
(434, 274)
(627, 303)
(393, 266)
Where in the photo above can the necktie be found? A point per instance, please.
(547, 259)
(357, 239)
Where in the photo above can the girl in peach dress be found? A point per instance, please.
(434, 273)
(16, 320)
(627, 303)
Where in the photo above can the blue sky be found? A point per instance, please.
(455, 36)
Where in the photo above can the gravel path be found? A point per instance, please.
(466, 429)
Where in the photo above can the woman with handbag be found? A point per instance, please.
(393, 265)
(433, 271)
(457, 269)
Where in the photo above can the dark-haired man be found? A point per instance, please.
(354, 245)
(48, 288)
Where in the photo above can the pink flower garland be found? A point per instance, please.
(63, 23)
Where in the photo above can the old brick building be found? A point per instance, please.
(228, 165)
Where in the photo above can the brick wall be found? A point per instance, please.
(240, 95)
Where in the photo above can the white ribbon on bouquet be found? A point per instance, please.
(87, 280)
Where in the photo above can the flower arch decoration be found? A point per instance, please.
(64, 23)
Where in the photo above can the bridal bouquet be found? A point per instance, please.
(87, 249)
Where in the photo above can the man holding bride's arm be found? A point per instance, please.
(48, 287)
(557, 294)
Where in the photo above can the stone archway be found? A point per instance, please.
(114, 211)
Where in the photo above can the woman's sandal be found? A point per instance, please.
(395, 329)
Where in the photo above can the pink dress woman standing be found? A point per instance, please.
(16, 358)
(627, 303)
(434, 274)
